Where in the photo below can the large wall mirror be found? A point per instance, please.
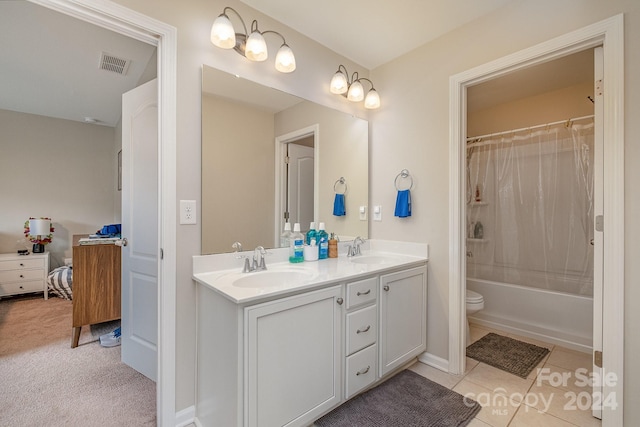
(267, 154)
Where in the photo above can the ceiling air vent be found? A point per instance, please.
(114, 64)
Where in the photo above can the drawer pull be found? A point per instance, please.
(386, 288)
(21, 287)
(360, 331)
(22, 276)
(363, 293)
(363, 371)
(21, 265)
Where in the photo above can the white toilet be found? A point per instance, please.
(475, 303)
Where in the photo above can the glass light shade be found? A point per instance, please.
(222, 33)
(356, 92)
(39, 227)
(339, 84)
(372, 100)
(256, 49)
(285, 61)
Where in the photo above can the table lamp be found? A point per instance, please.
(39, 232)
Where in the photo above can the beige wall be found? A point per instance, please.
(55, 168)
(549, 107)
(415, 115)
(409, 131)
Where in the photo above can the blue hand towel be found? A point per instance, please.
(338, 205)
(403, 204)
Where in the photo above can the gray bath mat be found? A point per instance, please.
(510, 355)
(406, 400)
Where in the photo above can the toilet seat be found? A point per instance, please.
(473, 297)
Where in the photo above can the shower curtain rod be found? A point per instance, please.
(475, 139)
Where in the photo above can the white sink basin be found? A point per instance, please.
(371, 259)
(272, 278)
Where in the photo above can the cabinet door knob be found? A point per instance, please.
(386, 288)
(363, 371)
(339, 301)
(360, 331)
(363, 293)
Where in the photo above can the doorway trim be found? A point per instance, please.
(608, 33)
(141, 27)
(280, 142)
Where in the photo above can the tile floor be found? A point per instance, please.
(544, 399)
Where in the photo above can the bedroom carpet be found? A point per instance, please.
(508, 354)
(406, 400)
(43, 381)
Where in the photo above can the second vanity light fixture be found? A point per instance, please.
(340, 85)
(252, 46)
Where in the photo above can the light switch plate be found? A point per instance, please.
(363, 213)
(188, 212)
(377, 213)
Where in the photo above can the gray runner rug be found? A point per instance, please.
(406, 400)
(510, 355)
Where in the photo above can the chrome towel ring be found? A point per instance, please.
(342, 182)
(403, 175)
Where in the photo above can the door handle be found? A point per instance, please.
(122, 242)
(591, 242)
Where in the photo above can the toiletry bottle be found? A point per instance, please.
(323, 242)
(296, 245)
(286, 235)
(333, 246)
(478, 231)
(311, 234)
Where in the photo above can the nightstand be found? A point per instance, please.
(22, 274)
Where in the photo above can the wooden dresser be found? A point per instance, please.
(96, 285)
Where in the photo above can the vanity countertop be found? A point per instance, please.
(222, 272)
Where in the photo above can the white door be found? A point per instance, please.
(300, 184)
(598, 210)
(140, 212)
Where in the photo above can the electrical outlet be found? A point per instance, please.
(187, 212)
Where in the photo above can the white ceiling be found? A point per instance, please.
(49, 65)
(374, 32)
(49, 61)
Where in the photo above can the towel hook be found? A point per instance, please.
(404, 174)
(340, 181)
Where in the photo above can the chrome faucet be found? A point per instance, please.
(354, 248)
(258, 261)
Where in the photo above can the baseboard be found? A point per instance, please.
(186, 416)
(434, 361)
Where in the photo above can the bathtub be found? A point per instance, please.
(555, 317)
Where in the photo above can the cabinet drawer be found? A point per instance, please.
(21, 287)
(362, 328)
(21, 275)
(361, 370)
(362, 292)
(17, 264)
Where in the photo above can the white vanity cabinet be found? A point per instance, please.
(403, 317)
(292, 355)
(288, 360)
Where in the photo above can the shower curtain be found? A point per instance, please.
(530, 208)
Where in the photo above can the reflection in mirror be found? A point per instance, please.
(247, 129)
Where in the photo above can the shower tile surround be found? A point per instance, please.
(508, 400)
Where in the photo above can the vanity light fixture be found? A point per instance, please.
(253, 47)
(353, 90)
